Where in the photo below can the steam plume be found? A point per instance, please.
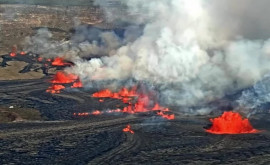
(193, 51)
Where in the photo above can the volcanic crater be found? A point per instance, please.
(78, 127)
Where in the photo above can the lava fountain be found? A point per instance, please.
(231, 123)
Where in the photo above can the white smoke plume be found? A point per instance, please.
(83, 43)
(256, 98)
(192, 50)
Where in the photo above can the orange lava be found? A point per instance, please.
(13, 51)
(101, 100)
(40, 59)
(128, 129)
(12, 54)
(231, 123)
(58, 61)
(55, 88)
(127, 97)
(166, 116)
(136, 102)
(103, 93)
(22, 53)
(124, 92)
(64, 78)
(96, 112)
(81, 114)
(77, 85)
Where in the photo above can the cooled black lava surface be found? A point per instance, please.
(33, 64)
(32, 94)
(100, 139)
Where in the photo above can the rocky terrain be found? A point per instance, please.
(43, 130)
(65, 139)
(18, 21)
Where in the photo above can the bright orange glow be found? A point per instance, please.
(64, 78)
(231, 123)
(103, 93)
(40, 59)
(22, 53)
(128, 97)
(124, 92)
(166, 116)
(96, 112)
(128, 129)
(157, 107)
(13, 51)
(77, 85)
(12, 54)
(55, 88)
(58, 61)
(81, 114)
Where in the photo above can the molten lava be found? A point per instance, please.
(123, 93)
(127, 96)
(22, 53)
(136, 102)
(231, 123)
(12, 54)
(58, 61)
(40, 59)
(55, 88)
(77, 85)
(128, 129)
(96, 112)
(103, 93)
(166, 116)
(13, 51)
(64, 78)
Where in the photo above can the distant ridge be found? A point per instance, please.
(50, 2)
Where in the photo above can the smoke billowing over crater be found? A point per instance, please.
(191, 52)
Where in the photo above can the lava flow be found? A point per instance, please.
(136, 102)
(63, 78)
(231, 123)
(128, 129)
(77, 84)
(127, 97)
(58, 61)
(55, 88)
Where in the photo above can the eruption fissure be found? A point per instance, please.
(127, 97)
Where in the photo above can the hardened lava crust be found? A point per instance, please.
(64, 139)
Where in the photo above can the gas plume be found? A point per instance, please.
(192, 51)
